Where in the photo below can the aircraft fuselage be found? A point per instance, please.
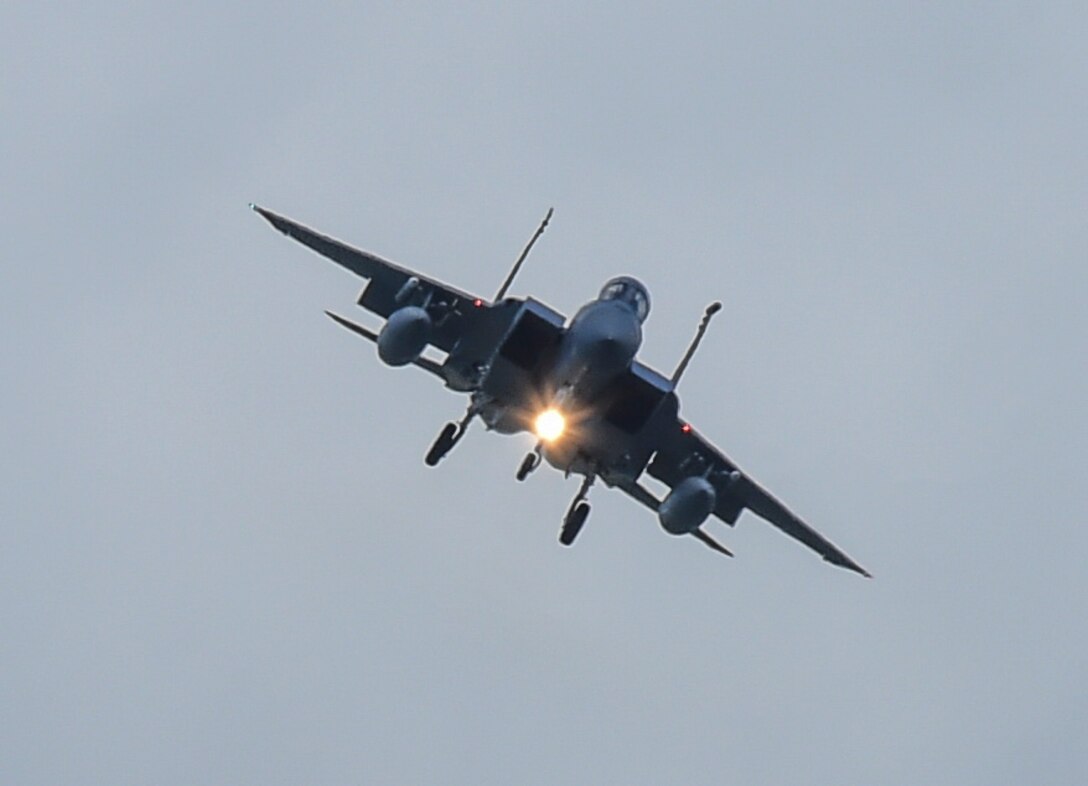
(601, 342)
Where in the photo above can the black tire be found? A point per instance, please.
(441, 445)
(527, 465)
(572, 525)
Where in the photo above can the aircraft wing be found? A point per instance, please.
(683, 452)
(386, 280)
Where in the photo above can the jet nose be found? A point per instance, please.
(615, 340)
(600, 343)
(614, 349)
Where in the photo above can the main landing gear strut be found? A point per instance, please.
(579, 509)
(450, 435)
(577, 513)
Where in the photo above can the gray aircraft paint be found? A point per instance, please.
(218, 564)
(518, 359)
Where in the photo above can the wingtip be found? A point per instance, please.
(838, 558)
(276, 221)
(341, 320)
(851, 565)
(858, 569)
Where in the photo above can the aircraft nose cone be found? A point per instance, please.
(601, 342)
(613, 349)
(615, 337)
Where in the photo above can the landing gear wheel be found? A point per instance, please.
(572, 524)
(441, 445)
(528, 464)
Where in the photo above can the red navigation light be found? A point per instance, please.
(686, 428)
(478, 303)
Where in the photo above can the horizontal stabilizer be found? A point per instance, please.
(709, 541)
(354, 328)
(424, 363)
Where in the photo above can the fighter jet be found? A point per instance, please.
(596, 411)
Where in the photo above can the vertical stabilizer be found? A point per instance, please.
(711, 310)
(525, 252)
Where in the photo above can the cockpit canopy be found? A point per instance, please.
(630, 291)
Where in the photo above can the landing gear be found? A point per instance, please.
(573, 522)
(529, 464)
(445, 442)
(577, 513)
(449, 436)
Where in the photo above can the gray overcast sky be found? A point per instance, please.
(222, 560)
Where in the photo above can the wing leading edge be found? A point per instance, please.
(387, 280)
(361, 263)
(684, 453)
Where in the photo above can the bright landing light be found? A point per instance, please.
(549, 425)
